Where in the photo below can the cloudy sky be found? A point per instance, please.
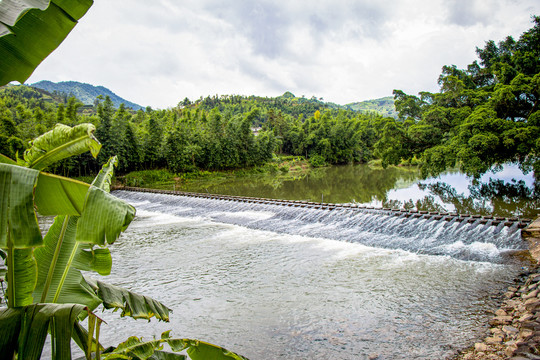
(159, 52)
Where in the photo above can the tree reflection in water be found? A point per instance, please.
(495, 197)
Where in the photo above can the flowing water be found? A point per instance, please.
(275, 282)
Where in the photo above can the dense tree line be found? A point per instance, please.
(213, 133)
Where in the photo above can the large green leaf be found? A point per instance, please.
(103, 218)
(4, 159)
(23, 330)
(18, 222)
(63, 256)
(19, 231)
(132, 304)
(58, 272)
(58, 195)
(30, 30)
(59, 143)
(136, 348)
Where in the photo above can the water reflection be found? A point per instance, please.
(338, 184)
(508, 193)
(495, 197)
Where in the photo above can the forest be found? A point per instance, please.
(482, 117)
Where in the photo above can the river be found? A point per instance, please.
(506, 193)
(274, 282)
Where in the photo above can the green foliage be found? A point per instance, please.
(383, 106)
(144, 178)
(136, 348)
(317, 161)
(24, 330)
(484, 116)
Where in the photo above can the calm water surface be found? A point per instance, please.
(506, 193)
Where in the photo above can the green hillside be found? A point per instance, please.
(86, 93)
(383, 106)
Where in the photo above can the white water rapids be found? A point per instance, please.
(273, 282)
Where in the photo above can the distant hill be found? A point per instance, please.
(383, 106)
(84, 92)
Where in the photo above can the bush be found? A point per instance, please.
(317, 161)
(147, 177)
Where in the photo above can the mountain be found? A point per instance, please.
(383, 106)
(84, 92)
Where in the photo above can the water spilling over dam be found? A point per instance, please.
(278, 280)
(464, 237)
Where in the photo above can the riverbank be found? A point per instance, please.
(514, 331)
(280, 168)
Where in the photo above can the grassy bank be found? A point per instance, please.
(286, 167)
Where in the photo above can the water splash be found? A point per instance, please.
(476, 240)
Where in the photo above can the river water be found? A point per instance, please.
(506, 193)
(272, 282)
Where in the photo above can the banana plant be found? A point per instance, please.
(25, 189)
(46, 290)
(49, 270)
(136, 348)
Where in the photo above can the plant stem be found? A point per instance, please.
(54, 260)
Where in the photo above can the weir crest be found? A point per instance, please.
(462, 236)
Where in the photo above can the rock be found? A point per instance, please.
(531, 301)
(500, 320)
(501, 312)
(494, 340)
(509, 330)
(373, 356)
(526, 334)
(510, 350)
(526, 317)
(480, 347)
(530, 295)
(531, 325)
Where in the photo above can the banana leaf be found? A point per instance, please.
(5, 160)
(132, 304)
(136, 348)
(19, 231)
(30, 30)
(59, 143)
(63, 256)
(24, 330)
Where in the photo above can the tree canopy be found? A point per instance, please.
(483, 116)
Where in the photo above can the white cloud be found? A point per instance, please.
(157, 53)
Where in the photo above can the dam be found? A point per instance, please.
(273, 279)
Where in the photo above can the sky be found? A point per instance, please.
(156, 53)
